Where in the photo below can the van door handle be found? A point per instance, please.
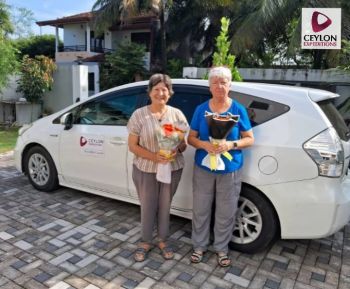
(117, 141)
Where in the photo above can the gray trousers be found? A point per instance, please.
(226, 189)
(155, 199)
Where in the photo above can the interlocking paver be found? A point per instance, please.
(70, 239)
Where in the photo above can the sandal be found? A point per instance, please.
(167, 251)
(141, 252)
(223, 259)
(197, 256)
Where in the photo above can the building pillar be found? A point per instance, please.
(57, 40)
(88, 37)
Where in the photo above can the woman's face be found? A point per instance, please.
(219, 87)
(159, 94)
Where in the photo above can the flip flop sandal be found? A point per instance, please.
(141, 254)
(224, 260)
(167, 251)
(196, 257)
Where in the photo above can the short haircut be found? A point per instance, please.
(158, 78)
(220, 71)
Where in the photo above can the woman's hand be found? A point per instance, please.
(218, 148)
(224, 146)
(209, 147)
(162, 159)
(181, 147)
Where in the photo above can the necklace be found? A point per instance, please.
(159, 114)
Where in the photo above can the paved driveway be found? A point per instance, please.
(71, 239)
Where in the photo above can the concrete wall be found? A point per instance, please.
(9, 92)
(80, 82)
(61, 94)
(70, 84)
(333, 80)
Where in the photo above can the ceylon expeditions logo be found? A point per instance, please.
(321, 28)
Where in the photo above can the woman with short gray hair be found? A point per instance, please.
(209, 182)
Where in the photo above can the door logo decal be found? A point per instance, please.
(83, 141)
(92, 145)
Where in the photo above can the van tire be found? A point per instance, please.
(254, 202)
(40, 169)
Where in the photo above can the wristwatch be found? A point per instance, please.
(235, 145)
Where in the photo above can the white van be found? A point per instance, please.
(295, 177)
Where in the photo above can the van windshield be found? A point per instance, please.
(335, 118)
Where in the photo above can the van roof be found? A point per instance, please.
(270, 91)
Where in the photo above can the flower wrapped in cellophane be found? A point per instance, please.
(169, 136)
(219, 128)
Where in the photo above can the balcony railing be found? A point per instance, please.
(74, 48)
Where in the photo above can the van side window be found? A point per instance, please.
(112, 109)
(260, 110)
(187, 98)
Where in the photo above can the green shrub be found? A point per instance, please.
(122, 66)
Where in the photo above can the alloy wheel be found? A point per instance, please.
(248, 222)
(39, 170)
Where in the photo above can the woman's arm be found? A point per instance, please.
(139, 151)
(194, 141)
(247, 139)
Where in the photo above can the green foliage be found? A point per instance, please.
(222, 55)
(8, 60)
(36, 77)
(6, 26)
(175, 67)
(36, 45)
(345, 56)
(123, 65)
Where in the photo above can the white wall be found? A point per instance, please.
(124, 36)
(9, 92)
(74, 34)
(80, 82)
(61, 94)
(108, 39)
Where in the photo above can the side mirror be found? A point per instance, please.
(67, 120)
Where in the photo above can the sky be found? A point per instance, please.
(52, 9)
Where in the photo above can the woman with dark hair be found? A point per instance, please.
(155, 196)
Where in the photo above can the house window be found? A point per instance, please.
(142, 38)
(97, 42)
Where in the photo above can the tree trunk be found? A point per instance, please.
(163, 38)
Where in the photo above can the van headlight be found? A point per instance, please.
(326, 150)
(24, 128)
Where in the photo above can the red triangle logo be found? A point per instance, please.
(317, 27)
(83, 141)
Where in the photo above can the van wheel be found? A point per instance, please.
(40, 169)
(256, 222)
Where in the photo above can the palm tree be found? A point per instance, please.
(111, 11)
(270, 20)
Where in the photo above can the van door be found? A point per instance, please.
(93, 152)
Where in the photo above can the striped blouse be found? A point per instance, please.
(144, 124)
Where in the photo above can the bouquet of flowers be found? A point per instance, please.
(169, 136)
(219, 128)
